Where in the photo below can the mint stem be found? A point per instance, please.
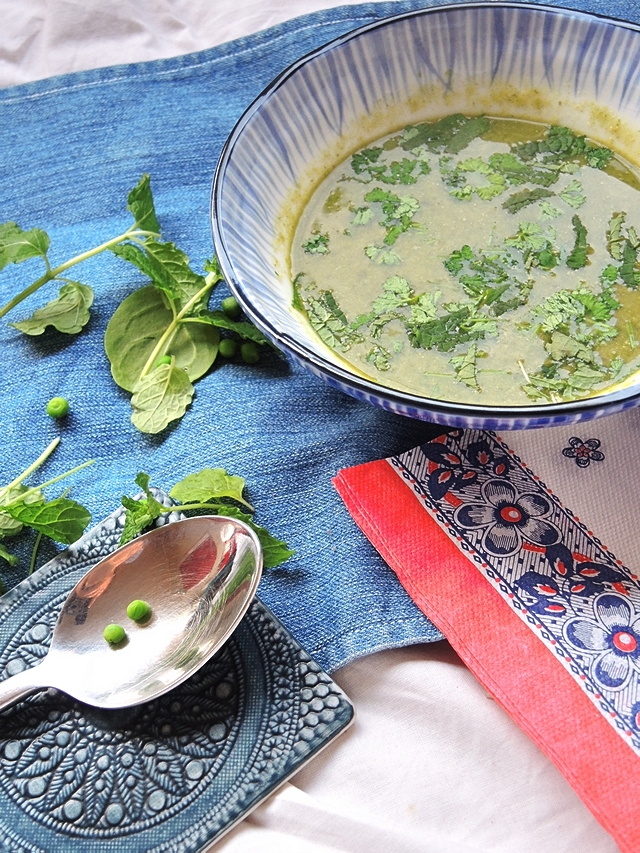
(52, 273)
(39, 488)
(33, 467)
(34, 553)
(171, 329)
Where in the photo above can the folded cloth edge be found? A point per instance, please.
(547, 704)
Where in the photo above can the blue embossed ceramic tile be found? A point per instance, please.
(170, 775)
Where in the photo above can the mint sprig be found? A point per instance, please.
(61, 519)
(211, 490)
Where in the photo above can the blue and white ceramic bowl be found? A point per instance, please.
(505, 59)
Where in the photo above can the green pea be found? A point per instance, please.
(228, 348)
(114, 634)
(138, 610)
(57, 407)
(231, 308)
(250, 352)
(164, 359)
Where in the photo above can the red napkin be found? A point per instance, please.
(535, 605)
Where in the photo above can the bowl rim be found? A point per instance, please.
(358, 385)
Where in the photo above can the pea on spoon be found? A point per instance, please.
(199, 576)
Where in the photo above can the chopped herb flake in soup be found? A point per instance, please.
(478, 260)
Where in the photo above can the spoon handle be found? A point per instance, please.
(22, 684)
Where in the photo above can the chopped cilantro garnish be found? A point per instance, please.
(615, 237)
(517, 201)
(466, 366)
(379, 357)
(329, 321)
(451, 134)
(548, 211)
(361, 215)
(629, 271)
(578, 256)
(573, 194)
(317, 244)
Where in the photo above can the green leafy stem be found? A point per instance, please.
(212, 490)
(61, 519)
(53, 274)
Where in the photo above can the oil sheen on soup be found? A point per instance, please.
(477, 260)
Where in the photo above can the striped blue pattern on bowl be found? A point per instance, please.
(501, 59)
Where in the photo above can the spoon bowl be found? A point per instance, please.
(198, 575)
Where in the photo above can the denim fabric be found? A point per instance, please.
(70, 149)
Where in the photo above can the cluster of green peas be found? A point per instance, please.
(138, 610)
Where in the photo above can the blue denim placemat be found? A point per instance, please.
(70, 149)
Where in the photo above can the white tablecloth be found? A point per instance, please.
(431, 764)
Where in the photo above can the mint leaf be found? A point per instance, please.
(160, 397)
(243, 328)
(208, 485)
(69, 313)
(140, 203)
(17, 245)
(136, 327)
(140, 513)
(61, 518)
(174, 275)
(274, 551)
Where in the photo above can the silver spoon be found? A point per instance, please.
(198, 576)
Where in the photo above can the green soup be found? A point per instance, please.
(478, 260)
